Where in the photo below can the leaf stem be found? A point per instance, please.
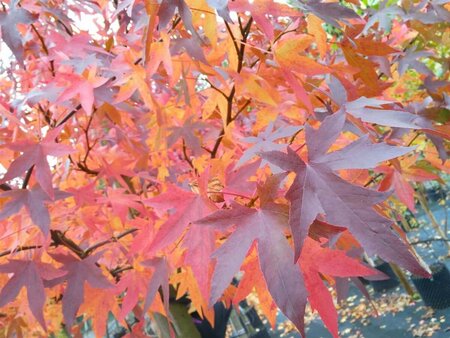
(27, 177)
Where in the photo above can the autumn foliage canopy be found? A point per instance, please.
(157, 149)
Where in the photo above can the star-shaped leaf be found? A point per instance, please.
(36, 154)
(34, 201)
(28, 274)
(10, 34)
(318, 190)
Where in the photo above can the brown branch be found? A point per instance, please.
(230, 97)
(217, 89)
(186, 157)
(47, 115)
(230, 105)
(27, 177)
(222, 132)
(107, 241)
(44, 47)
(373, 179)
(241, 109)
(18, 249)
(116, 271)
(59, 238)
(5, 187)
(68, 116)
(67, 29)
(241, 51)
(41, 39)
(87, 170)
(232, 37)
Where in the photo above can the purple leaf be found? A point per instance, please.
(318, 190)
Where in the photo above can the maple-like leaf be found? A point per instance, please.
(98, 305)
(28, 274)
(276, 256)
(36, 154)
(397, 177)
(372, 111)
(330, 12)
(259, 9)
(266, 226)
(253, 279)
(237, 180)
(287, 54)
(318, 190)
(189, 207)
(187, 133)
(221, 6)
(34, 200)
(78, 272)
(167, 10)
(134, 283)
(8, 23)
(316, 260)
(265, 141)
(170, 90)
(192, 48)
(383, 16)
(83, 88)
(121, 202)
(160, 278)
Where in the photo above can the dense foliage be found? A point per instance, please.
(154, 150)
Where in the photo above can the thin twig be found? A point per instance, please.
(44, 47)
(232, 37)
(217, 89)
(27, 177)
(19, 248)
(68, 116)
(186, 156)
(429, 240)
(222, 132)
(5, 187)
(107, 241)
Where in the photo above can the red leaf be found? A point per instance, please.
(199, 240)
(315, 260)
(188, 207)
(160, 278)
(34, 201)
(79, 272)
(28, 274)
(318, 190)
(10, 34)
(36, 154)
(266, 226)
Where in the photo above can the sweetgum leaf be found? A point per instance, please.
(318, 190)
(8, 23)
(28, 274)
(79, 272)
(34, 200)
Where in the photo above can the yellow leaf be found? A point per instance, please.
(315, 28)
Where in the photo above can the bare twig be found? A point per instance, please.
(68, 116)
(27, 177)
(186, 156)
(429, 240)
(18, 249)
(107, 241)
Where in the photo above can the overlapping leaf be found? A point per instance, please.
(317, 189)
(265, 226)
